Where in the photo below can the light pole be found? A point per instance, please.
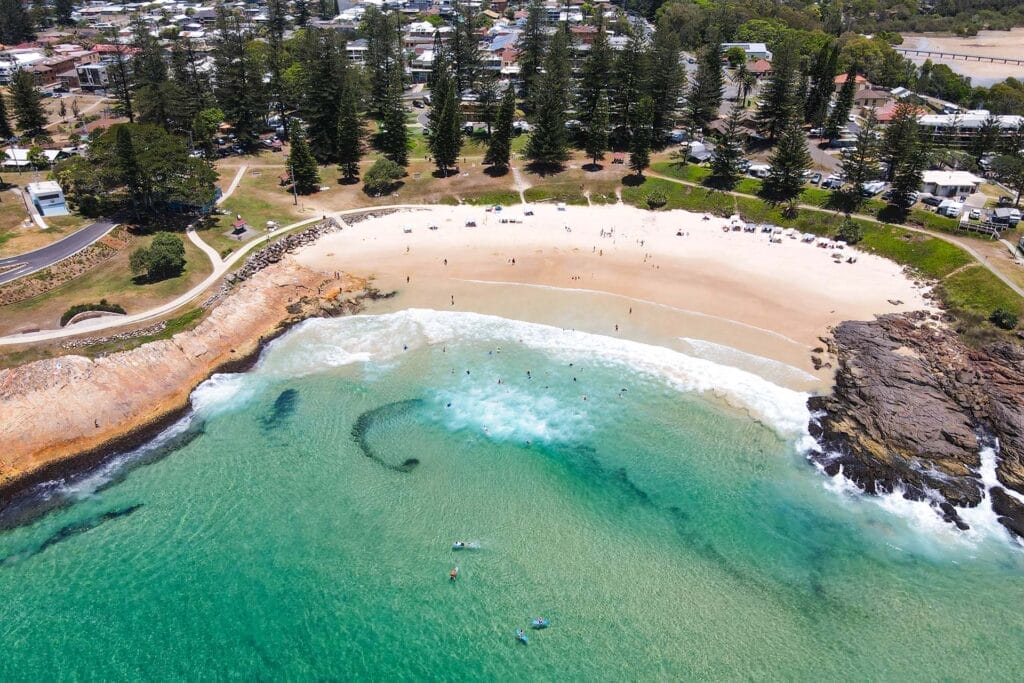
(291, 172)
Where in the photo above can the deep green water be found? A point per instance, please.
(286, 535)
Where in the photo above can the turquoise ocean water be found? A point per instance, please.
(656, 508)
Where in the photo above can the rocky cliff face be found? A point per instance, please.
(62, 408)
(912, 408)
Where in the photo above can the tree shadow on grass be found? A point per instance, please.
(496, 171)
(893, 214)
(348, 181)
(592, 167)
(633, 180)
(439, 174)
(545, 169)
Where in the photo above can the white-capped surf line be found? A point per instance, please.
(760, 365)
(324, 343)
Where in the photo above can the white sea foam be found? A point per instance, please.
(328, 343)
(221, 392)
(759, 365)
(505, 413)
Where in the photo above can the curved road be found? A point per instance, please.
(30, 262)
(221, 267)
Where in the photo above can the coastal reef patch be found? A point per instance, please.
(382, 417)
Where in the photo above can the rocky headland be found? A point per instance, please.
(912, 408)
(62, 413)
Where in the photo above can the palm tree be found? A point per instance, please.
(738, 76)
(745, 80)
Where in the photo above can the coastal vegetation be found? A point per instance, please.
(163, 258)
(103, 305)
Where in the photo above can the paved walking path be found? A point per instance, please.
(221, 267)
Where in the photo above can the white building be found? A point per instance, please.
(48, 198)
(752, 50)
(960, 127)
(950, 183)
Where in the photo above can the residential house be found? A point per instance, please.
(950, 183)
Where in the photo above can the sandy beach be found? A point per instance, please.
(669, 278)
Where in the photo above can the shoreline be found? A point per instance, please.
(309, 284)
(233, 337)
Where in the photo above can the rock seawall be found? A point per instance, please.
(912, 408)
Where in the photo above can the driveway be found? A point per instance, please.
(30, 262)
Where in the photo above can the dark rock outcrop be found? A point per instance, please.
(909, 408)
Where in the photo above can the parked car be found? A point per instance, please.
(418, 104)
(815, 178)
(931, 200)
(975, 214)
(832, 183)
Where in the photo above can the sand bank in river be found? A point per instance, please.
(639, 280)
(985, 44)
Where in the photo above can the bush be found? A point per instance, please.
(656, 199)
(382, 177)
(103, 305)
(1003, 319)
(164, 258)
(850, 231)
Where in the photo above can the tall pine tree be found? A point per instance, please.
(325, 74)
(27, 102)
(822, 85)
(499, 150)
(705, 96)
(350, 134)
(531, 50)
(785, 180)
(596, 142)
(239, 92)
(860, 166)
(668, 78)
(641, 136)
(594, 72)
(393, 139)
(629, 79)
(778, 100)
(837, 119)
(152, 90)
(304, 171)
(725, 166)
(445, 126)
(549, 144)
(15, 24)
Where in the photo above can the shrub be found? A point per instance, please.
(1003, 319)
(656, 199)
(850, 231)
(103, 305)
(382, 177)
(164, 258)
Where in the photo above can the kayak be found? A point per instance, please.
(539, 622)
(521, 637)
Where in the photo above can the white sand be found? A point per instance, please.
(732, 288)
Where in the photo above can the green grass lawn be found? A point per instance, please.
(492, 198)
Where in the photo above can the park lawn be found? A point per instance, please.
(111, 280)
(15, 238)
(493, 198)
(258, 198)
(688, 172)
(973, 292)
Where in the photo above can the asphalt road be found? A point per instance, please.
(33, 261)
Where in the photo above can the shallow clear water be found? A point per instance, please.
(301, 528)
